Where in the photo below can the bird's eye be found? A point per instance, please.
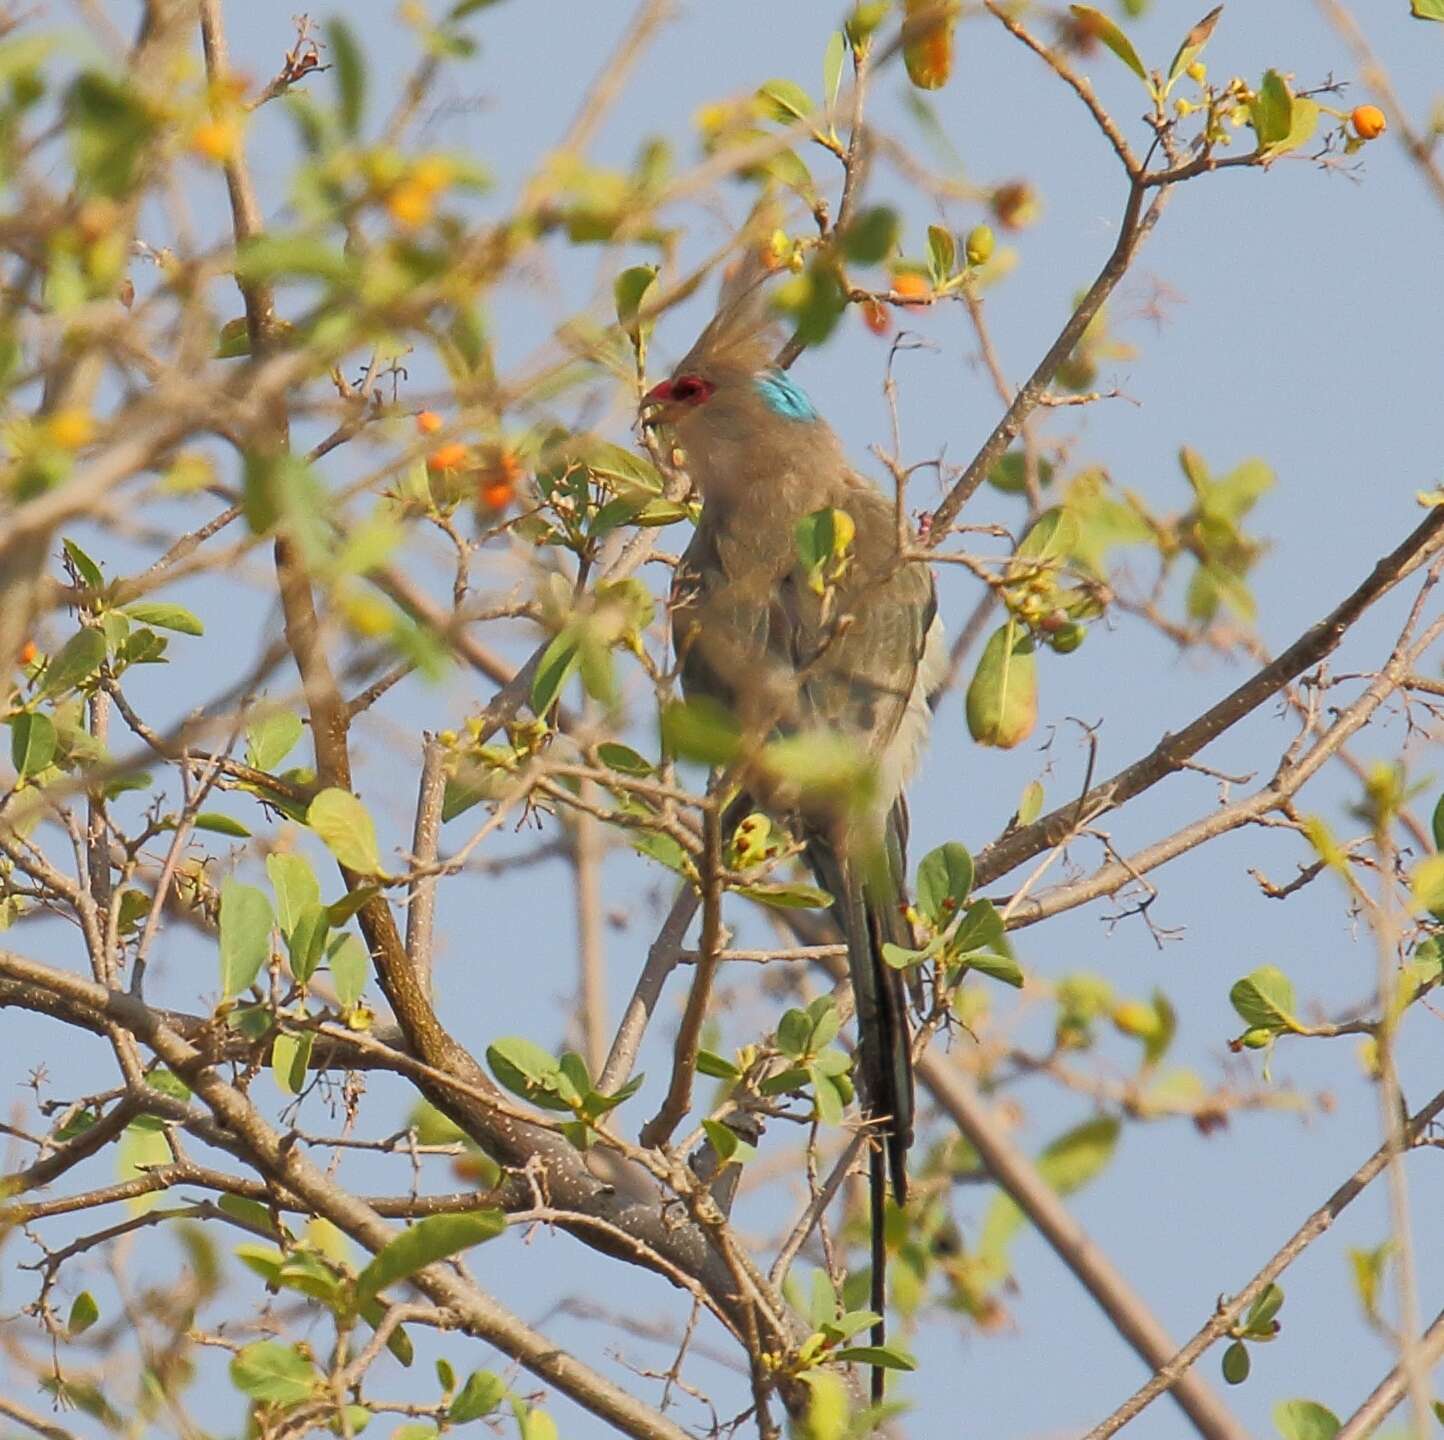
(688, 387)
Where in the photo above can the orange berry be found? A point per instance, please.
(447, 457)
(428, 422)
(1368, 122)
(29, 652)
(216, 139)
(410, 204)
(1015, 205)
(497, 487)
(911, 286)
(875, 317)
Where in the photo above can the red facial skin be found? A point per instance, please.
(684, 390)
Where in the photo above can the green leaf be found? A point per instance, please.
(1305, 1420)
(558, 662)
(624, 759)
(166, 616)
(1002, 700)
(1427, 9)
(1261, 1313)
(997, 967)
(718, 1067)
(350, 969)
(1438, 820)
(433, 1238)
(1051, 537)
(1030, 805)
(832, 57)
(290, 1055)
(86, 568)
(249, 1212)
(945, 879)
(271, 739)
(1077, 1156)
(217, 823)
(276, 255)
(1271, 111)
(527, 1070)
(344, 825)
(700, 729)
(1236, 1363)
(630, 290)
(1100, 25)
(295, 886)
(885, 1357)
(245, 940)
(942, 253)
(727, 1143)
(1193, 43)
(871, 236)
(32, 743)
(275, 1373)
(110, 125)
(785, 101)
(481, 1394)
(350, 68)
(76, 661)
(792, 896)
(306, 941)
(1265, 999)
(84, 1312)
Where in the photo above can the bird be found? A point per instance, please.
(751, 631)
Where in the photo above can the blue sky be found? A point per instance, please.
(1301, 326)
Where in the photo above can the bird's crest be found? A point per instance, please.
(742, 336)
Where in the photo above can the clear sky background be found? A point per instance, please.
(1302, 325)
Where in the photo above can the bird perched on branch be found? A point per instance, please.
(837, 638)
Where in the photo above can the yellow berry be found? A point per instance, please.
(1198, 72)
(410, 204)
(978, 247)
(70, 429)
(215, 140)
(1368, 122)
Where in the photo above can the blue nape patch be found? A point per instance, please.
(783, 396)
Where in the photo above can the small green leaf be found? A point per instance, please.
(871, 236)
(1051, 537)
(32, 743)
(629, 291)
(350, 68)
(885, 1357)
(295, 886)
(785, 101)
(832, 57)
(306, 941)
(274, 1373)
(1427, 9)
(793, 896)
(84, 1312)
(290, 1055)
(270, 740)
(535, 1074)
(700, 729)
(1100, 25)
(166, 616)
(86, 568)
(1271, 111)
(719, 1068)
(624, 759)
(1305, 1420)
(727, 1143)
(1193, 43)
(1030, 805)
(77, 660)
(1261, 1313)
(481, 1394)
(431, 1239)
(346, 828)
(942, 253)
(220, 824)
(245, 936)
(350, 969)
(1002, 700)
(945, 879)
(558, 662)
(1236, 1363)
(1265, 999)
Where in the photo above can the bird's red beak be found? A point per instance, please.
(654, 400)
